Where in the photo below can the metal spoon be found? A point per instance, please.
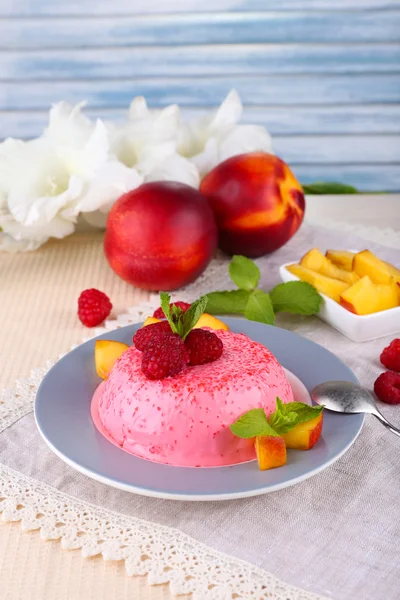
(346, 397)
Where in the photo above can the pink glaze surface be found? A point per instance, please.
(184, 420)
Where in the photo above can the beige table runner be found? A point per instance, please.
(38, 293)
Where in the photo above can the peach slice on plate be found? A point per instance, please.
(210, 321)
(304, 435)
(151, 321)
(106, 352)
(205, 320)
(270, 451)
(341, 258)
(366, 297)
(316, 261)
(326, 285)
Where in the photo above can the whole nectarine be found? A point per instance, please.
(257, 201)
(160, 236)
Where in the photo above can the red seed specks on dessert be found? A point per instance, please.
(197, 406)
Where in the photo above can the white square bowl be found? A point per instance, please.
(358, 328)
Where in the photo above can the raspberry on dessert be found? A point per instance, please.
(93, 307)
(159, 313)
(387, 387)
(203, 346)
(165, 356)
(390, 356)
(145, 335)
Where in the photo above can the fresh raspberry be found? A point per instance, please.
(159, 313)
(93, 307)
(390, 357)
(145, 335)
(165, 356)
(387, 387)
(203, 346)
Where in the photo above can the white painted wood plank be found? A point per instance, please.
(366, 178)
(205, 91)
(335, 149)
(210, 28)
(124, 7)
(199, 60)
(295, 120)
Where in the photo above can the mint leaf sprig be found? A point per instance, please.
(297, 297)
(254, 423)
(182, 322)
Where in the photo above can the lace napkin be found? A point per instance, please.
(334, 535)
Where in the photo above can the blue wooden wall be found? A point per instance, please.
(322, 75)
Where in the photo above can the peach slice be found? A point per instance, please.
(271, 452)
(366, 297)
(210, 321)
(316, 261)
(304, 435)
(366, 263)
(341, 258)
(395, 273)
(326, 285)
(151, 321)
(106, 352)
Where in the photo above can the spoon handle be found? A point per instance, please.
(386, 423)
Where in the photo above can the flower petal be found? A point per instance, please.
(175, 168)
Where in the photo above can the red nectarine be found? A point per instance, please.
(257, 201)
(160, 236)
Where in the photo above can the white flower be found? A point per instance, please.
(80, 167)
(210, 139)
(147, 137)
(47, 182)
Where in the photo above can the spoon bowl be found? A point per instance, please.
(347, 397)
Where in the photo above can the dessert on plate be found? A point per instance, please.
(184, 420)
(200, 397)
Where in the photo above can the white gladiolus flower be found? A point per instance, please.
(80, 167)
(209, 140)
(48, 181)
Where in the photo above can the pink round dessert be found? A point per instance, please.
(184, 420)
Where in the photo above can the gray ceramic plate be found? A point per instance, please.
(62, 411)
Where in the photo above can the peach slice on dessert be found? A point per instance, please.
(316, 261)
(304, 435)
(326, 285)
(210, 321)
(366, 263)
(270, 451)
(341, 258)
(106, 352)
(366, 297)
(151, 321)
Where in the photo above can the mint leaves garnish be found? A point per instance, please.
(287, 416)
(244, 273)
(254, 422)
(182, 322)
(296, 297)
(259, 308)
(227, 302)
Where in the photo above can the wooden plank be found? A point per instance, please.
(199, 60)
(125, 7)
(366, 178)
(205, 91)
(218, 28)
(296, 120)
(335, 149)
